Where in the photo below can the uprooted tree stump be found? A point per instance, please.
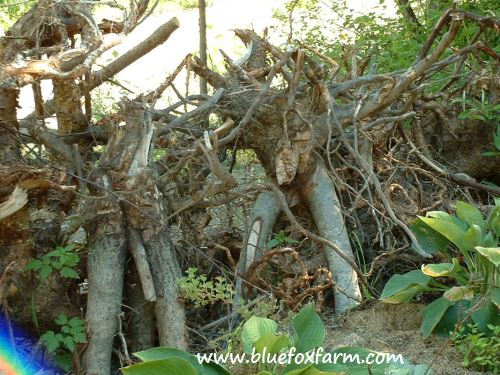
(300, 117)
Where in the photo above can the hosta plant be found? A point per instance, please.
(260, 336)
(469, 280)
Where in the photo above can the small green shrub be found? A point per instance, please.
(201, 292)
(470, 279)
(61, 344)
(479, 352)
(61, 259)
(280, 239)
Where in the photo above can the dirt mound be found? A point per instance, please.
(395, 329)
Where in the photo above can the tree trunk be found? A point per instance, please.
(264, 214)
(318, 191)
(106, 264)
(147, 211)
(141, 323)
(202, 8)
(9, 145)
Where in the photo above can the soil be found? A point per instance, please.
(395, 329)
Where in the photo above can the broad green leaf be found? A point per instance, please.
(430, 240)
(488, 314)
(432, 315)
(457, 293)
(171, 366)
(45, 272)
(309, 330)
(61, 319)
(162, 352)
(449, 229)
(53, 253)
(489, 240)
(490, 253)
(402, 288)
(470, 214)
(444, 216)
(34, 265)
(405, 295)
(213, 369)
(458, 312)
(70, 247)
(495, 296)
(272, 343)
(472, 237)
(493, 221)
(265, 373)
(69, 343)
(254, 328)
(454, 270)
(69, 273)
(76, 322)
(50, 340)
(80, 338)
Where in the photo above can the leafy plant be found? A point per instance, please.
(470, 244)
(484, 111)
(478, 110)
(72, 332)
(202, 292)
(496, 143)
(62, 259)
(261, 336)
(280, 239)
(479, 352)
(171, 361)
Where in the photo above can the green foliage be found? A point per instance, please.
(201, 292)
(173, 361)
(62, 343)
(483, 111)
(260, 335)
(479, 351)
(478, 110)
(280, 239)
(496, 143)
(11, 10)
(62, 259)
(470, 243)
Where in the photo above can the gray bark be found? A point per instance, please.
(319, 193)
(141, 323)
(106, 264)
(264, 214)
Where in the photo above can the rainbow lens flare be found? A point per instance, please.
(13, 359)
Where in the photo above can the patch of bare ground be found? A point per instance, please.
(395, 329)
